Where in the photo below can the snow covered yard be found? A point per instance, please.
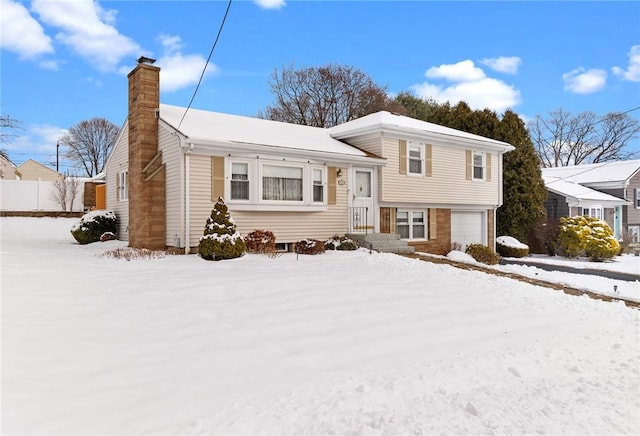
(340, 343)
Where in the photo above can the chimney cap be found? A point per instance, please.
(145, 60)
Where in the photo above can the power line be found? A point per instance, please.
(206, 63)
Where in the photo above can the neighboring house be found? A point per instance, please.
(32, 170)
(382, 173)
(8, 169)
(608, 190)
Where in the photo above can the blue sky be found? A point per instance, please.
(66, 61)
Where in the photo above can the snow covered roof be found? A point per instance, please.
(569, 188)
(616, 171)
(205, 127)
(381, 121)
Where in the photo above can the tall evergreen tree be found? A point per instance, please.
(524, 190)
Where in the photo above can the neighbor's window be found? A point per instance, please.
(282, 183)
(318, 185)
(634, 233)
(478, 165)
(239, 181)
(123, 185)
(637, 198)
(593, 212)
(415, 159)
(410, 224)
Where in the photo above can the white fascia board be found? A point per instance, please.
(209, 147)
(438, 138)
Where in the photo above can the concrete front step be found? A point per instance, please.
(383, 242)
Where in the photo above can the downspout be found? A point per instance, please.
(187, 189)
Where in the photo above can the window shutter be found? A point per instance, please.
(488, 167)
(433, 223)
(403, 156)
(332, 183)
(428, 160)
(469, 164)
(217, 178)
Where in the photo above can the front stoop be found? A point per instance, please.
(382, 242)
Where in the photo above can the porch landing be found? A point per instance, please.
(382, 242)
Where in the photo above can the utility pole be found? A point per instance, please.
(57, 156)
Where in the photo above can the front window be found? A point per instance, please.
(593, 212)
(637, 198)
(123, 185)
(282, 183)
(415, 159)
(411, 224)
(478, 166)
(239, 181)
(634, 233)
(318, 186)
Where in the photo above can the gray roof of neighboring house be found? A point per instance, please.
(568, 188)
(605, 172)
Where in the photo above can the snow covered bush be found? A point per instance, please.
(260, 241)
(309, 246)
(591, 237)
(221, 240)
(93, 225)
(483, 254)
(340, 243)
(507, 246)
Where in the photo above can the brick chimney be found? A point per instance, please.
(147, 183)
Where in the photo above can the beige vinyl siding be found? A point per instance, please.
(372, 144)
(447, 185)
(172, 158)
(119, 161)
(287, 226)
(32, 170)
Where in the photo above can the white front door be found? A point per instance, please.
(361, 213)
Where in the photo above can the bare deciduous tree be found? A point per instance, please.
(325, 96)
(7, 124)
(65, 190)
(89, 143)
(564, 139)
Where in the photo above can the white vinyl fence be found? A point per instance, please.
(29, 195)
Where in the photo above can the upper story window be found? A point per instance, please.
(478, 166)
(415, 158)
(123, 185)
(637, 199)
(282, 183)
(239, 181)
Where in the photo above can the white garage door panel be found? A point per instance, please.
(468, 228)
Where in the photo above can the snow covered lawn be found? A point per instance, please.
(340, 343)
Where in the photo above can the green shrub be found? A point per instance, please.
(591, 237)
(506, 246)
(93, 225)
(483, 254)
(309, 246)
(340, 243)
(260, 241)
(221, 240)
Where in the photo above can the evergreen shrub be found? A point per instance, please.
(93, 225)
(506, 246)
(588, 236)
(483, 254)
(261, 242)
(340, 243)
(309, 246)
(220, 240)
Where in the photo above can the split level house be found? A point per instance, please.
(609, 191)
(383, 173)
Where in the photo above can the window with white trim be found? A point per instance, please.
(478, 165)
(240, 181)
(411, 224)
(593, 212)
(637, 199)
(282, 183)
(318, 185)
(634, 233)
(415, 158)
(123, 185)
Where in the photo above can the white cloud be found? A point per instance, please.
(270, 4)
(88, 30)
(632, 73)
(21, 33)
(37, 139)
(470, 84)
(463, 71)
(503, 64)
(50, 65)
(581, 81)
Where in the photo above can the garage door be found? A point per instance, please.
(468, 228)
